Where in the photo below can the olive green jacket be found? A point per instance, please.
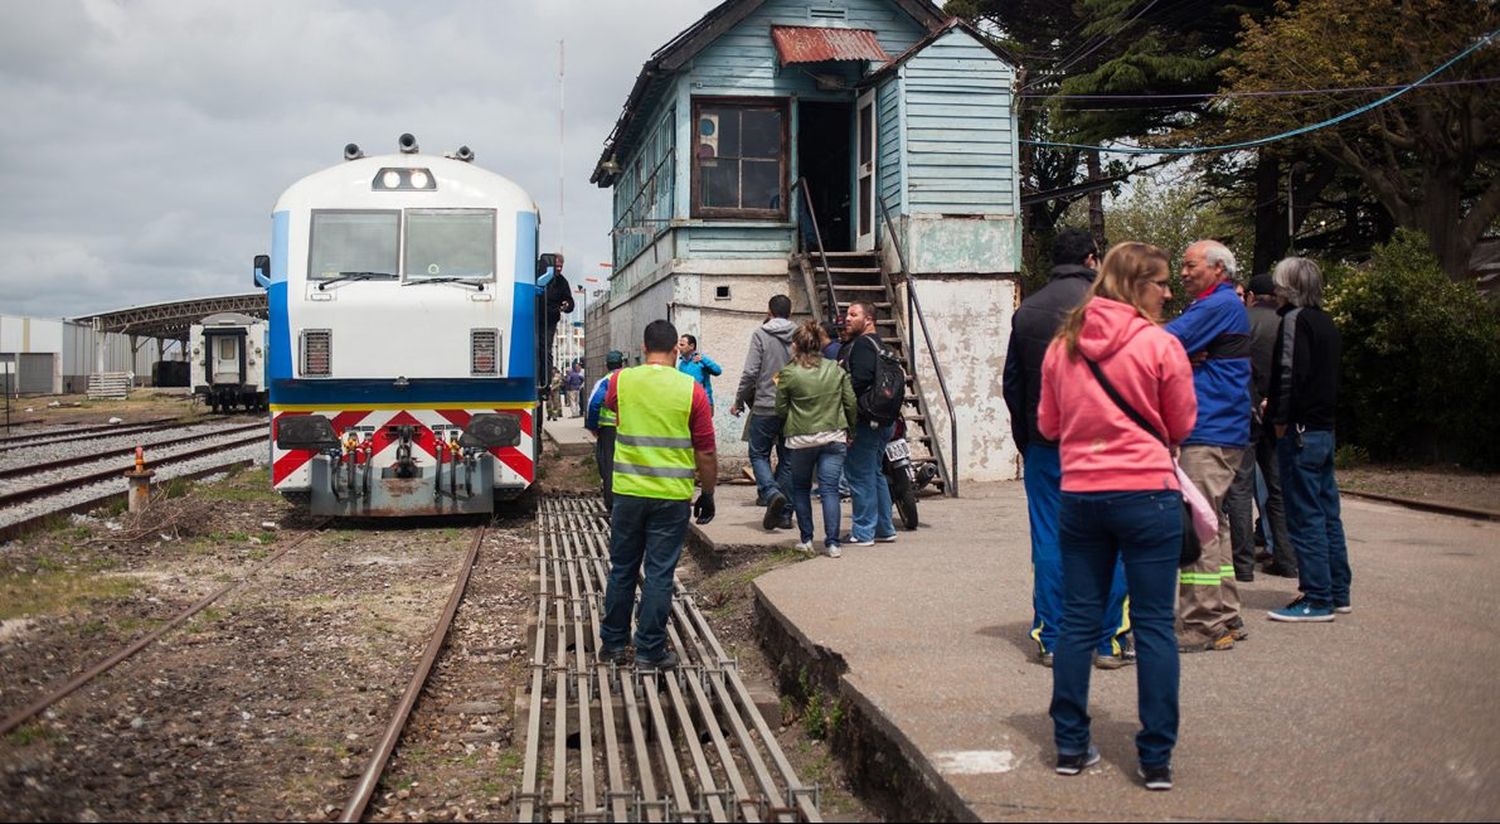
(814, 400)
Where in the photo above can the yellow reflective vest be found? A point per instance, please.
(653, 439)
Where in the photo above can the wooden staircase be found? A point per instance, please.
(859, 276)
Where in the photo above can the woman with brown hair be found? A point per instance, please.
(1120, 495)
(815, 401)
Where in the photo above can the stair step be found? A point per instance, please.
(853, 287)
(849, 270)
(878, 306)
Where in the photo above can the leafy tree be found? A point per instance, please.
(1432, 156)
(1420, 355)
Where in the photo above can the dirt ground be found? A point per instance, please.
(1453, 486)
(268, 704)
(142, 405)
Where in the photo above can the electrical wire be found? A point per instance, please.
(1263, 93)
(1300, 130)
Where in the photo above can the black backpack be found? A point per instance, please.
(882, 400)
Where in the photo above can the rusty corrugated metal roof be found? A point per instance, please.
(810, 44)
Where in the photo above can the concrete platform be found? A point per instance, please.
(568, 436)
(1388, 713)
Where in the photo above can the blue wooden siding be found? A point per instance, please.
(643, 195)
(888, 149)
(960, 142)
(734, 242)
(743, 60)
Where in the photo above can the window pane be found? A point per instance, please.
(720, 182)
(718, 132)
(450, 243)
(762, 185)
(761, 136)
(353, 242)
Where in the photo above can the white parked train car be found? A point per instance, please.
(227, 358)
(403, 346)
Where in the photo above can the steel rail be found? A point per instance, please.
(82, 433)
(15, 528)
(23, 495)
(355, 809)
(64, 463)
(594, 596)
(20, 717)
(695, 736)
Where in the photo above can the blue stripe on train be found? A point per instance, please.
(279, 347)
(351, 393)
(523, 313)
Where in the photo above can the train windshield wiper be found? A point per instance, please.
(357, 276)
(462, 281)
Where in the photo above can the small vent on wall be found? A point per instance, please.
(826, 13)
(484, 348)
(317, 352)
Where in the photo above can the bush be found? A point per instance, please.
(1421, 353)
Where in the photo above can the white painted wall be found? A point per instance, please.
(969, 319)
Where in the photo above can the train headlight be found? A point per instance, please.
(491, 430)
(403, 180)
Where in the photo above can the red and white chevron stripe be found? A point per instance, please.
(290, 471)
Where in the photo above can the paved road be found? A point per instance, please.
(1388, 713)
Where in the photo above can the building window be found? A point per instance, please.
(740, 158)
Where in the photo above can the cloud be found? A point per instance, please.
(146, 140)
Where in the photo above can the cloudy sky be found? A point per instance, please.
(144, 142)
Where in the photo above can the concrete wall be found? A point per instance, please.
(969, 319)
(72, 348)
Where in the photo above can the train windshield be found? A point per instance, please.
(450, 244)
(348, 241)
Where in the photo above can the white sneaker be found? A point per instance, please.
(886, 539)
(849, 541)
(805, 546)
(833, 551)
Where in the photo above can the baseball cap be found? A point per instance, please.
(614, 359)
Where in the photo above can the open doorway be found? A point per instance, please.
(823, 159)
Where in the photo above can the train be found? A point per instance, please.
(404, 336)
(227, 362)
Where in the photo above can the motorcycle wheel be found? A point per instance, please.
(906, 507)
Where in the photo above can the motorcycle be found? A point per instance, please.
(901, 475)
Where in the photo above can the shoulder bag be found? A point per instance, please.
(1199, 523)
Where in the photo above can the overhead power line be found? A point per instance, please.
(1300, 130)
(1263, 93)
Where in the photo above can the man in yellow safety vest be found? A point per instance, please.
(664, 430)
(601, 422)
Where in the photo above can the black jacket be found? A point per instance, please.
(1307, 396)
(1031, 331)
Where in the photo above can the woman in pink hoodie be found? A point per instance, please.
(1120, 495)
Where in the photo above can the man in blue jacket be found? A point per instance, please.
(697, 365)
(1215, 331)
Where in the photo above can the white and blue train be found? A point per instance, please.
(404, 343)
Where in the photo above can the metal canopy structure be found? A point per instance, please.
(171, 320)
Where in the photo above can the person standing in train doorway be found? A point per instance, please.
(664, 430)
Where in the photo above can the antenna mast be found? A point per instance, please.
(561, 143)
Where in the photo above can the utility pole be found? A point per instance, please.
(561, 144)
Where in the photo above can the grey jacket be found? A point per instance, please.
(770, 349)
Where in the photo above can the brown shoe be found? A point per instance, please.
(1219, 644)
(1237, 629)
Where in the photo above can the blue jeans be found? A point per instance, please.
(1097, 529)
(872, 496)
(1311, 496)
(645, 531)
(1043, 499)
(828, 460)
(765, 433)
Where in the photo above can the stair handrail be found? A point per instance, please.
(812, 217)
(951, 488)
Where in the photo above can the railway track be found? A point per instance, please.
(83, 433)
(23, 505)
(39, 467)
(684, 744)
